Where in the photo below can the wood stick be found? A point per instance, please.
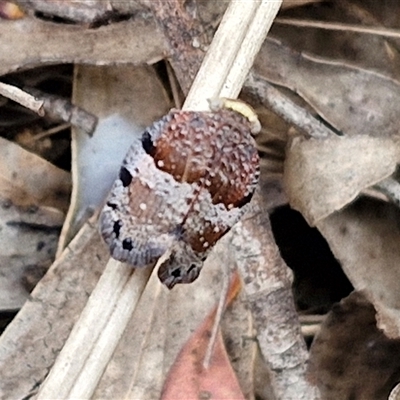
(106, 313)
(21, 97)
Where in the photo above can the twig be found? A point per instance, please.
(267, 281)
(21, 97)
(395, 393)
(239, 29)
(61, 109)
(176, 94)
(96, 334)
(298, 3)
(49, 132)
(311, 324)
(284, 107)
(218, 316)
(337, 26)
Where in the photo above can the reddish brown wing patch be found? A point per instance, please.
(215, 150)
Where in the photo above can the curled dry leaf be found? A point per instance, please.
(365, 238)
(351, 357)
(322, 176)
(188, 379)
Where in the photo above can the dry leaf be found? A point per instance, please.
(189, 379)
(365, 239)
(72, 44)
(352, 99)
(29, 237)
(350, 357)
(29, 346)
(29, 179)
(33, 196)
(135, 370)
(160, 326)
(322, 176)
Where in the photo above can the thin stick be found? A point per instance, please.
(21, 97)
(115, 286)
(255, 35)
(174, 86)
(221, 55)
(337, 26)
(50, 132)
(281, 105)
(232, 52)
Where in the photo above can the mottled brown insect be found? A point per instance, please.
(181, 189)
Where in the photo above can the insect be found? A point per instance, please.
(180, 189)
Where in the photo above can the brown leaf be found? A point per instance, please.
(322, 176)
(58, 299)
(27, 178)
(352, 99)
(188, 379)
(350, 357)
(365, 239)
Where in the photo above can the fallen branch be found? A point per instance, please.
(61, 109)
(25, 99)
(281, 105)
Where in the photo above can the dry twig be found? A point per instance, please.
(285, 108)
(21, 97)
(337, 26)
(61, 109)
